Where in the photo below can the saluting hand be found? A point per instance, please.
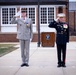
(17, 15)
(57, 20)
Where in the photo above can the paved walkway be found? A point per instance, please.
(43, 61)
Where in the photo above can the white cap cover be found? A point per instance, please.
(61, 15)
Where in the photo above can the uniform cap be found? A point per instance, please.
(23, 10)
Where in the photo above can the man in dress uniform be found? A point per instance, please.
(24, 34)
(62, 37)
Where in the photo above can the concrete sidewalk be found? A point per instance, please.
(43, 61)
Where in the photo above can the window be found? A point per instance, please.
(12, 12)
(60, 9)
(7, 14)
(30, 13)
(46, 15)
(43, 15)
(50, 14)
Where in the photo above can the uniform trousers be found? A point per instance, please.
(24, 44)
(61, 53)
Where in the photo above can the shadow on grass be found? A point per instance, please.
(7, 48)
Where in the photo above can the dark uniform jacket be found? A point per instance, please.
(62, 36)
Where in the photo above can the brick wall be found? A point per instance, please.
(0, 19)
(71, 21)
(72, 25)
(73, 38)
(8, 37)
(11, 37)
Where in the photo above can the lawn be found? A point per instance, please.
(6, 48)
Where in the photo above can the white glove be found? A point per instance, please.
(18, 14)
(30, 40)
(57, 20)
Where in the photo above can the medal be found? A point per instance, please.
(65, 26)
(27, 25)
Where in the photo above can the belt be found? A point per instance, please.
(60, 33)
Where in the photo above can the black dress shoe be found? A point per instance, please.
(63, 65)
(59, 65)
(24, 64)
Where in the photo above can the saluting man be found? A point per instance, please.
(62, 37)
(24, 34)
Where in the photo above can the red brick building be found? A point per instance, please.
(72, 18)
(48, 11)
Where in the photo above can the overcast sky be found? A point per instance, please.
(72, 0)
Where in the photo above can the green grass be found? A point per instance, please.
(6, 48)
